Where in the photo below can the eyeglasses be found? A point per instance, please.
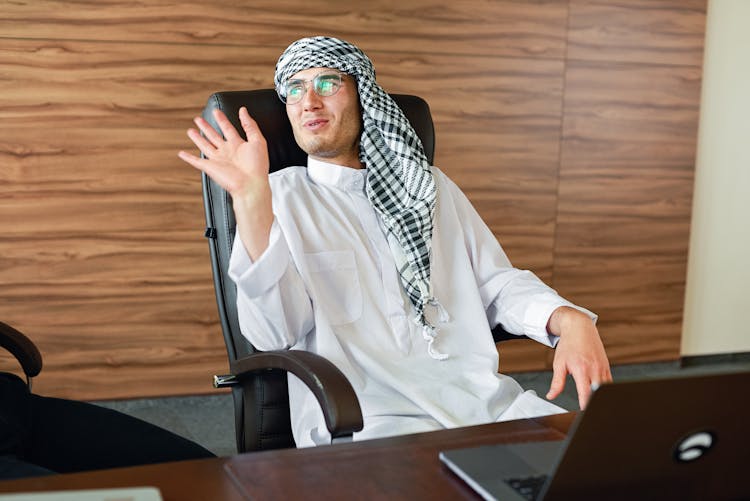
(324, 84)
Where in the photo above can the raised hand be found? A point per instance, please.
(241, 168)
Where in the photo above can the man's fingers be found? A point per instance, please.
(208, 131)
(210, 168)
(187, 157)
(207, 148)
(583, 387)
(604, 376)
(249, 125)
(230, 133)
(199, 163)
(557, 385)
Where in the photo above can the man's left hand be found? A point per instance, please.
(579, 352)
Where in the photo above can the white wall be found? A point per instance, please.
(717, 301)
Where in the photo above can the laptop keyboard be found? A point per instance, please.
(528, 487)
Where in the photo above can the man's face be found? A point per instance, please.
(328, 128)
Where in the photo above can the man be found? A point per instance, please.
(375, 260)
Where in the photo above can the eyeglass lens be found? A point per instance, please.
(325, 84)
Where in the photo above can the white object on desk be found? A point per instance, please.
(121, 494)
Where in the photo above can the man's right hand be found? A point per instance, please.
(241, 168)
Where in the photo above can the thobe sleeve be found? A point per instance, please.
(516, 299)
(273, 305)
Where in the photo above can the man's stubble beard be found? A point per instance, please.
(321, 147)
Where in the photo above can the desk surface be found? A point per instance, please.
(397, 467)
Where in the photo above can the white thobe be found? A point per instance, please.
(327, 283)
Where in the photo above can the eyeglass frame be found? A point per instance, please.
(305, 82)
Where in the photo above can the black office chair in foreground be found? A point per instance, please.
(42, 435)
(23, 349)
(258, 379)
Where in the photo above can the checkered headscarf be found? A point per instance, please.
(399, 182)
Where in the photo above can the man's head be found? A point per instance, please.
(323, 107)
(322, 52)
(318, 78)
(386, 134)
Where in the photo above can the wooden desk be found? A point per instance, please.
(405, 467)
(202, 479)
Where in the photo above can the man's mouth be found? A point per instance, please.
(315, 123)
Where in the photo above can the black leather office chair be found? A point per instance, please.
(258, 379)
(23, 349)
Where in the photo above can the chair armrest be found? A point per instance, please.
(22, 348)
(333, 391)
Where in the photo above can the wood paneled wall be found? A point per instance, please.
(632, 91)
(570, 124)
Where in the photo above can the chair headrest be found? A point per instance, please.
(270, 114)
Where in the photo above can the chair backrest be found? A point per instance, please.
(261, 407)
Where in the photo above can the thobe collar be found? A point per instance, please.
(338, 176)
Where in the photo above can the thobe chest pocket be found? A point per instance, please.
(335, 285)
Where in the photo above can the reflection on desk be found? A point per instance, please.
(405, 467)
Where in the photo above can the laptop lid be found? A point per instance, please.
(663, 438)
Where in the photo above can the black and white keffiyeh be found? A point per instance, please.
(399, 182)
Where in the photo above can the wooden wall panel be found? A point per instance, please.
(497, 136)
(104, 262)
(475, 27)
(662, 32)
(632, 90)
(106, 266)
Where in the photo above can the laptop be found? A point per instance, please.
(681, 437)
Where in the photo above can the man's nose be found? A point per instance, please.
(311, 99)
